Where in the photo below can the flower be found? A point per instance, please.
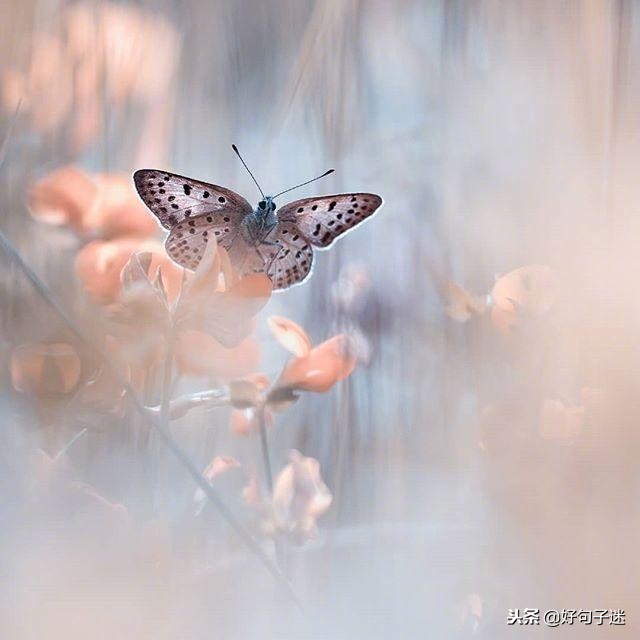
(209, 318)
(314, 369)
(99, 265)
(200, 354)
(461, 305)
(103, 391)
(100, 54)
(521, 294)
(219, 466)
(62, 197)
(226, 313)
(325, 365)
(290, 335)
(299, 498)
(42, 368)
(104, 206)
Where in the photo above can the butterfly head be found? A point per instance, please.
(267, 204)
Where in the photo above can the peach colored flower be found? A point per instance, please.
(225, 314)
(99, 55)
(318, 370)
(117, 210)
(325, 365)
(45, 368)
(520, 294)
(62, 197)
(103, 206)
(314, 369)
(461, 305)
(299, 498)
(200, 354)
(100, 263)
(219, 466)
(103, 391)
(290, 335)
(210, 321)
(142, 316)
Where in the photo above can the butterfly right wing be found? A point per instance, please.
(322, 219)
(173, 198)
(292, 261)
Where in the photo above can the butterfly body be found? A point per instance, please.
(258, 240)
(257, 225)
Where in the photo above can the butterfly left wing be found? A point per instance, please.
(173, 198)
(321, 220)
(187, 241)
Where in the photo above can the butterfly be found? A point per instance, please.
(258, 240)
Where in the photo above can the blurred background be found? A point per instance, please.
(483, 454)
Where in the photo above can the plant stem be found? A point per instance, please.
(183, 459)
(70, 443)
(165, 399)
(264, 444)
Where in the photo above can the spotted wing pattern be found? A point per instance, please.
(321, 220)
(187, 241)
(293, 259)
(173, 198)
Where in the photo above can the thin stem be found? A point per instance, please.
(264, 444)
(70, 443)
(155, 424)
(281, 559)
(167, 386)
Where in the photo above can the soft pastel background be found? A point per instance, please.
(475, 466)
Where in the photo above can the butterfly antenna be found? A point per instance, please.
(326, 173)
(233, 146)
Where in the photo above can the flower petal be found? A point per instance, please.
(290, 335)
(62, 197)
(200, 354)
(45, 368)
(326, 364)
(218, 466)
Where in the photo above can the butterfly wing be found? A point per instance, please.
(321, 220)
(173, 198)
(187, 241)
(293, 257)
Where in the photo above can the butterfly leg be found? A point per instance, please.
(272, 243)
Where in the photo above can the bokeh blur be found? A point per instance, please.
(473, 449)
